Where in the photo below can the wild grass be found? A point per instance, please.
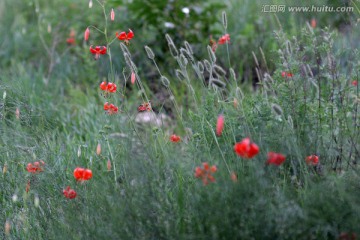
(150, 191)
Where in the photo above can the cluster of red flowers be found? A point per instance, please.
(246, 148)
(145, 107)
(35, 167)
(224, 39)
(286, 74)
(354, 83)
(69, 193)
(205, 173)
(108, 87)
(312, 160)
(81, 175)
(110, 108)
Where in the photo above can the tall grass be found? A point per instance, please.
(150, 191)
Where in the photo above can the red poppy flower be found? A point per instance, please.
(205, 173)
(98, 50)
(275, 158)
(69, 193)
(82, 174)
(70, 41)
(220, 125)
(313, 23)
(224, 39)
(110, 108)
(347, 236)
(145, 107)
(87, 34)
(312, 160)
(108, 87)
(354, 83)
(286, 74)
(175, 138)
(246, 148)
(35, 167)
(126, 37)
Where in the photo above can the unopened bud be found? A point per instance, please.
(87, 34)
(112, 15)
(7, 227)
(108, 165)
(98, 149)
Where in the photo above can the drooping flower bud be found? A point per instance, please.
(87, 34)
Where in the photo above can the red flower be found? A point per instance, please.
(126, 37)
(35, 167)
(108, 87)
(354, 83)
(312, 160)
(347, 236)
(205, 173)
(145, 107)
(82, 174)
(175, 138)
(275, 158)
(69, 193)
(213, 44)
(220, 125)
(112, 15)
(110, 108)
(87, 34)
(98, 50)
(313, 23)
(70, 41)
(246, 148)
(224, 39)
(286, 74)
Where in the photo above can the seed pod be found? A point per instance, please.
(188, 48)
(207, 65)
(211, 54)
(173, 50)
(219, 70)
(149, 53)
(224, 19)
(168, 38)
(79, 151)
(217, 82)
(179, 75)
(277, 109)
(165, 81)
(183, 60)
(124, 49)
(290, 121)
(201, 67)
(232, 73)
